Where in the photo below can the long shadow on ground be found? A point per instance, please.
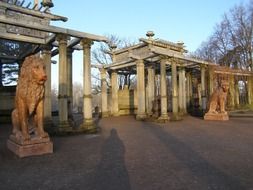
(111, 172)
(210, 175)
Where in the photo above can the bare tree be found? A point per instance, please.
(231, 42)
(101, 56)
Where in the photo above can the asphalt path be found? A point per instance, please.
(134, 155)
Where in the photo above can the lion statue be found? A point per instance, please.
(27, 117)
(218, 99)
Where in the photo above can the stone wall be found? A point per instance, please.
(127, 101)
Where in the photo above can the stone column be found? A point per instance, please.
(141, 112)
(211, 79)
(164, 113)
(249, 87)
(184, 91)
(104, 107)
(251, 79)
(63, 94)
(180, 90)
(151, 90)
(188, 89)
(115, 88)
(87, 97)
(70, 84)
(203, 87)
(175, 115)
(232, 91)
(48, 123)
(237, 100)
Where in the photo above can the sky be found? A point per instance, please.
(190, 21)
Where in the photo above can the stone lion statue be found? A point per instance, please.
(27, 117)
(218, 99)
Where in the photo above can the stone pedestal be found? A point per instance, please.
(141, 117)
(34, 147)
(88, 126)
(216, 116)
(163, 118)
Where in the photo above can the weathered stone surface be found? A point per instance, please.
(218, 116)
(29, 100)
(34, 147)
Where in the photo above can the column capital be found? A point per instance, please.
(86, 43)
(173, 60)
(188, 74)
(164, 60)
(150, 67)
(181, 68)
(140, 62)
(203, 66)
(164, 57)
(62, 38)
(102, 70)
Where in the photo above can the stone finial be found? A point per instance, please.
(150, 35)
(47, 3)
(180, 43)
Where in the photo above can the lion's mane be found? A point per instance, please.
(27, 87)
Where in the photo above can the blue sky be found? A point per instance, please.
(190, 21)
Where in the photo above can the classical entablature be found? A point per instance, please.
(152, 51)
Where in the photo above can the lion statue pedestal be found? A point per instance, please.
(217, 104)
(28, 137)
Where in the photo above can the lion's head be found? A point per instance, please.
(224, 86)
(33, 70)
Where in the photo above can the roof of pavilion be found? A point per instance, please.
(152, 51)
(25, 30)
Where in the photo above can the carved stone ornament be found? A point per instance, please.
(217, 103)
(28, 136)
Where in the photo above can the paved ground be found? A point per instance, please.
(192, 154)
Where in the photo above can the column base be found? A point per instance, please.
(64, 127)
(182, 112)
(141, 117)
(150, 114)
(87, 126)
(163, 118)
(176, 117)
(115, 114)
(105, 114)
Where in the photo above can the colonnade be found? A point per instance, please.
(181, 85)
(181, 90)
(65, 88)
